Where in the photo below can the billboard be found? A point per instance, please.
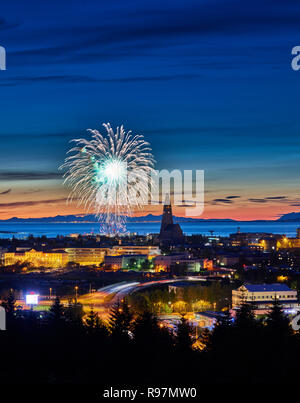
(32, 299)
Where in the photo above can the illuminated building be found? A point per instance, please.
(228, 259)
(208, 319)
(282, 278)
(250, 239)
(269, 244)
(55, 259)
(207, 264)
(82, 256)
(129, 262)
(289, 243)
(96, 256)
(133, 262)
(262, 296)
(149, 251)
(87, 256)
(164, 262)
(113, 262)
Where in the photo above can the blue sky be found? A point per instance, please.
(208, 83)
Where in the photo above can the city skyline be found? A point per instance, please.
(149, 196)
(216, 94)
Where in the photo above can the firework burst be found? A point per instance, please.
(110, 175)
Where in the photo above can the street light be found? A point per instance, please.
(50, 292)
(76, 293)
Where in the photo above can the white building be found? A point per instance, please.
(263, 295)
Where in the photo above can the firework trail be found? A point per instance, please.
(110, 175)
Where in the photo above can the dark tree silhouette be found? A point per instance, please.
(120, 321)
(143, 350)
(245, 316)
(150, 335)
(74, 313)
(94, 325)
(185, 336)
(221, 335)
(205, 339)
(279, 341)
(277, 323)
(56, 312)
(8, 304)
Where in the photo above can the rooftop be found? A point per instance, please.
(267, 287)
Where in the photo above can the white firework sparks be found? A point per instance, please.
(110, 175)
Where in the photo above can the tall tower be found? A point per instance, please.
(170, 233)
(167, 217)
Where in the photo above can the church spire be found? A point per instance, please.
(167, 217)
(170, 233)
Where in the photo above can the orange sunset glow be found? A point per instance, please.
(49, 198)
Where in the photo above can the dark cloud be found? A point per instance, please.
(5, 192)
(268, 199)
(226, 201)
(258, 200)
(18, 175)
(276, 198)
(31, 203)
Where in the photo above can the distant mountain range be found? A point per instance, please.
(290, 217)
(92, 218)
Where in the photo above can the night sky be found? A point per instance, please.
(208, 83)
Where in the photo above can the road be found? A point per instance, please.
(103, 299)
(106, 297)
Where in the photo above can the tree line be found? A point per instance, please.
(194, 298)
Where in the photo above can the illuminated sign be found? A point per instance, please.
(32, 299)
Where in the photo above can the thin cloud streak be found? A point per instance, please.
(31, 203)
(19, 175)
(5, 192)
